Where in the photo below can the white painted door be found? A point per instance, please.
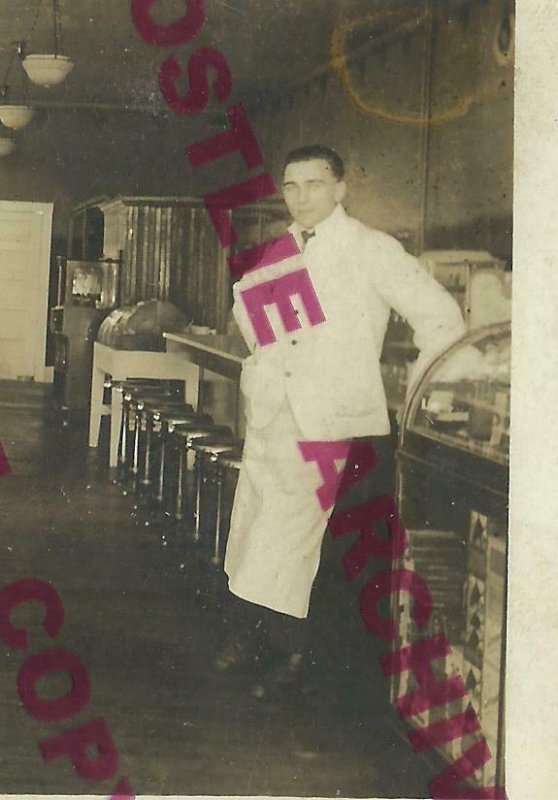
(25, 235)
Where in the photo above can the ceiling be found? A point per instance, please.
(269, 44)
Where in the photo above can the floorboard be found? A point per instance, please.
(144, 611)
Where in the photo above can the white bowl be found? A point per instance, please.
(16, 117)
(7, 146)
(47, 70)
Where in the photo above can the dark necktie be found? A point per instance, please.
(305, 236)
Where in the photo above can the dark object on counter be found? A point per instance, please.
(141, 327)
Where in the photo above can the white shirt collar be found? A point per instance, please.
(326, 225)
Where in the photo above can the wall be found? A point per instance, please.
(66, 157)
(468, 201)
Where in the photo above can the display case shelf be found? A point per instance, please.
(464, 400)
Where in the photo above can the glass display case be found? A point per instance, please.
(90, 284)
(464, 403)
(481, 287)
(453, 497)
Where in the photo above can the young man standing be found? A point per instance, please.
(322, 382)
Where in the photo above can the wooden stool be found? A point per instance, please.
(136, 404)
(147, 410)
(150, 430)
(231, 460)
(184, 437)
(128, 390)
(168, 421)
(209, 452)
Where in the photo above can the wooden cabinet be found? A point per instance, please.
(170, 251)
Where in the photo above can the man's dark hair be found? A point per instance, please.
(313, 151)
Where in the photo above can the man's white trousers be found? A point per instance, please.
(277, 523)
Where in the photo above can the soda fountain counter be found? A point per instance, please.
(453, 497)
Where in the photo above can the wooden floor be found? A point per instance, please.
(144, 611)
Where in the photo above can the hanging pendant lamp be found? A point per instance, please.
(11, 115)
(49, 69)
(16, 117)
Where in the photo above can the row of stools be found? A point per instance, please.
(173, 456)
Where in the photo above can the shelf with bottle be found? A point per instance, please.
(464, 567)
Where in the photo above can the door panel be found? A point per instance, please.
(14, 261)
(20, 229)
(24, 265)
(12, 356)
(12, 295)
(13, 325)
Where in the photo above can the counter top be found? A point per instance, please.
(224, 355)
(230, 348)
(205, 357)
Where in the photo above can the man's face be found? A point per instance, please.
(311, 191)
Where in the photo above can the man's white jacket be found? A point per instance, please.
(330, 372)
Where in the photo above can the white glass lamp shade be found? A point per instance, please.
(47, 70)
(7, 146)
(16, 117)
